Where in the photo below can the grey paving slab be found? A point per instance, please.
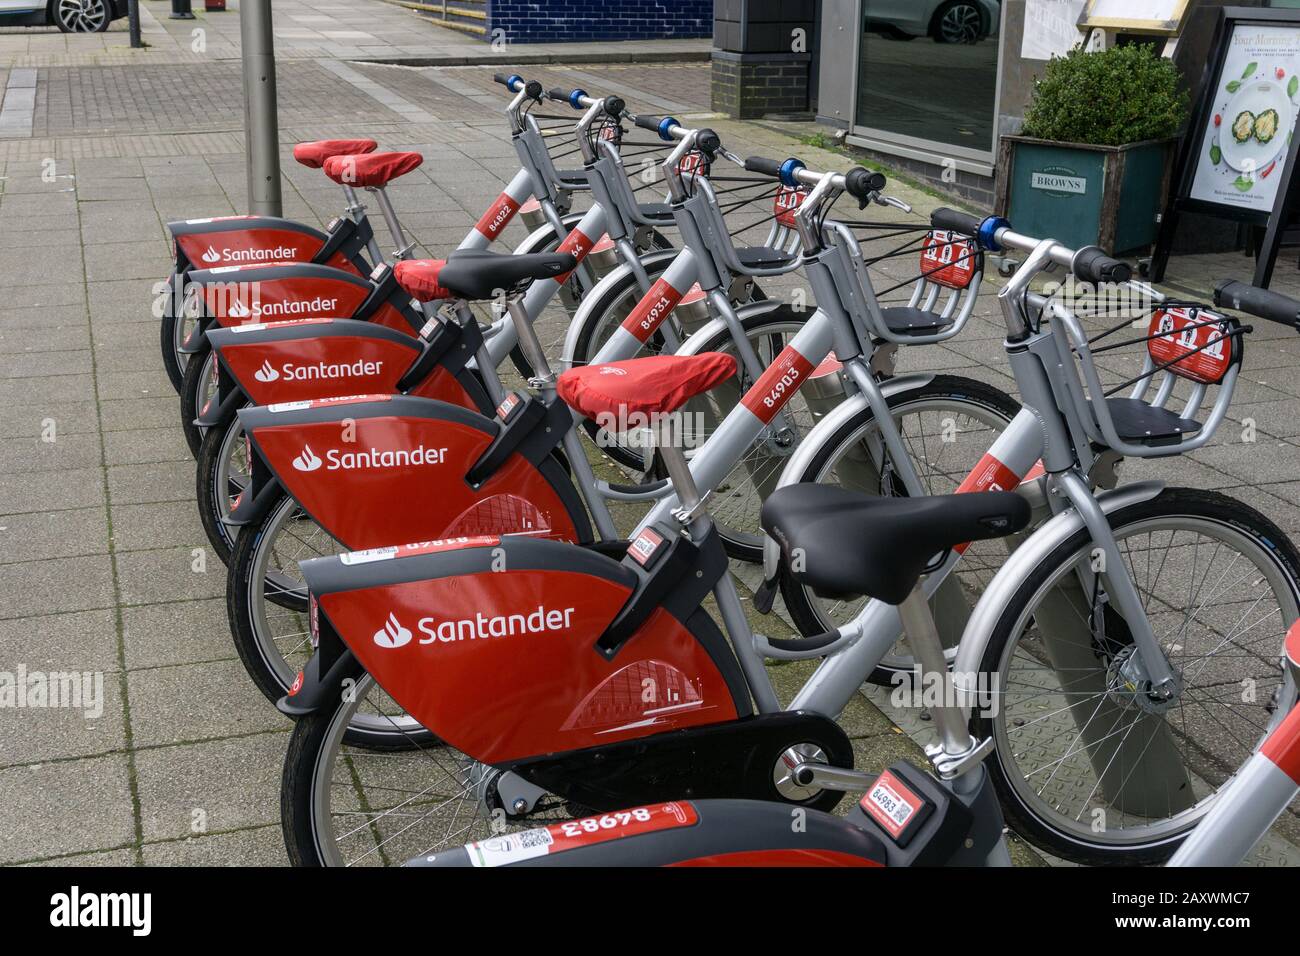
(56, 534)
(84, 640)
(180, 632)
(259, 846)
(143, 445)
(41, 343)
(113, 858)
(161, 481)
(235, 783)
(193, 702)
(65, 807)
(70, 488)
(157, 524)
(168, 574)
(129, 414)
(31, 455)
(54, 389)
(66, 584)
(32, 421)
(95, 725)
(45, 364)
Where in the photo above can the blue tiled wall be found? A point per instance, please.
(538, 21)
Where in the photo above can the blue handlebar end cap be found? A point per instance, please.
(665, 128)
(511, 80)
(989, 232)
(788, 169)
(575, 98)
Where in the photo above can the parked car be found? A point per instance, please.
(947, 21)
(70, 16)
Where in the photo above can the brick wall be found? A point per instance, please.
(538, 21)
(751, 85)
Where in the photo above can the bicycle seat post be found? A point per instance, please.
(394, 226)
(666, 436)
(923, 639)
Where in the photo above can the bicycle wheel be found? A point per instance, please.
(1088, 766)
(947, 424)
(222, 474)
(341, 806)
(174, 328)
(198, 387)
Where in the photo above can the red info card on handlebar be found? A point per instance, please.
(1198, 343)
(948, 259)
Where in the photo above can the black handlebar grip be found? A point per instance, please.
(764, 166)
(1258, 302)
(646, 121)
(1093, 265)
(558, 94)
(953, 221)
(502, 78)
(861, 183)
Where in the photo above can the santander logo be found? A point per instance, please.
(392, 634)
(238, 310)
(480, 627)
(211, 255)
(612, 370)
(266, 373)
(371, 458)
(308, 460)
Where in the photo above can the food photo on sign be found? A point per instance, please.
(1251, 119)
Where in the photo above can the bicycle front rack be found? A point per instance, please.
(951, 266)
(1184, 343)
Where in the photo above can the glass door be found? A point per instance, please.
(928, 74)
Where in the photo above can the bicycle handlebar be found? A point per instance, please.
(1261, 303)
(1091, 264)
(859, 182)
(953, 221)
(764, 166)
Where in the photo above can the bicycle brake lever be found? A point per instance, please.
(891, 201)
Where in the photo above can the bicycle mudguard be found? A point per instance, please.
(736, 833)
(449, 628)
(244, 240)
(233, 295)
(375, 469)
(306, 359)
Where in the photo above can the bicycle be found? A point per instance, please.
(267, 602)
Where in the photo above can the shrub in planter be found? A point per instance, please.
(1092, 164)
(1114, 97)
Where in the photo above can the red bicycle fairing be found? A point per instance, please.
(244, 240)
(452, 649)
(263, 294)
(372, 475)
(272, 370)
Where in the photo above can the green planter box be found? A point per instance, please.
(1080, 195)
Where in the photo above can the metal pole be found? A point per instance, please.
(261, 126)
(133, 22)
